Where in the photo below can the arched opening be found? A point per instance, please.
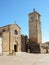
(15, 32)
(15, 46)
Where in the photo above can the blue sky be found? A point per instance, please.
(11, 10)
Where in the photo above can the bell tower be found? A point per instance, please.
(35, 28)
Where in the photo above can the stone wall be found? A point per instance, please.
(23, 43)
(5, 40)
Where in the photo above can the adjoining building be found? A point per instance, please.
(24, 42)
(10, 39)
(45, 47)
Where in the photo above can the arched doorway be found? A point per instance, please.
(15, 46)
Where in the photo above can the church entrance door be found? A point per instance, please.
(15, 48)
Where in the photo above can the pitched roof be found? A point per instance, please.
(9, 25)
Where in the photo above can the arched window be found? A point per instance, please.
(15, 32)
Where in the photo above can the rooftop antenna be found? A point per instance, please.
(34, 10)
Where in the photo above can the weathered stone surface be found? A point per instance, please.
(35, 28)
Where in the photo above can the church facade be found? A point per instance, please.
(10, 39)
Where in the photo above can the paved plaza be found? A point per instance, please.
(25, 59)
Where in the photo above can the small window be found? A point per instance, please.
(15, 32)
(3, 30)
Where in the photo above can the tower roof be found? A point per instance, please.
(34, 11)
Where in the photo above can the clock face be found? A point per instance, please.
(33, 17)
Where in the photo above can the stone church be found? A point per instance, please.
(12, 41)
